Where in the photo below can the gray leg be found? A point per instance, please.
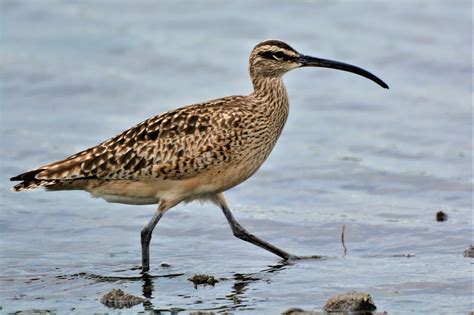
(241, 233)
(147, 232)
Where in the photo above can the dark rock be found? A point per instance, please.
(441, 216)
(299, 311)
(350, 302)
(469, 252)
(119, 299)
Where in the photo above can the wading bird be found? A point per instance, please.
(194, 152)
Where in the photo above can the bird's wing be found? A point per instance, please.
(175, 145)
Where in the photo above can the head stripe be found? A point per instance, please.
(274, 42)
(279, 54)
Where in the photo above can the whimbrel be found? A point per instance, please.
(194, 152)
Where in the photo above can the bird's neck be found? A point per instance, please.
(271, 103)
(271, 90)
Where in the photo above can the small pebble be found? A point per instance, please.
(350, 302)
(441, 216)
(404, 255)
(299, 311)
(469, 252)
(34, 312)
(203, 279)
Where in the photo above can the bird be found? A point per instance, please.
(196, 152)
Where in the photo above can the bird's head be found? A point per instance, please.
(273, 58)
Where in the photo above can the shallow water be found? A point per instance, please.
(380, 162)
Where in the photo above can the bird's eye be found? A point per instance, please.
(278, 55)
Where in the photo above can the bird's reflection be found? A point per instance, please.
(148, 286)
(236, 297)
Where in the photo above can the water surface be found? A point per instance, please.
(380, 162)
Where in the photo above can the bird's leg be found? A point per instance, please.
(147, 232)
(241, 233)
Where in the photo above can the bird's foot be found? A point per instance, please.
(145, 269)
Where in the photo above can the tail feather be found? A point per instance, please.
(30, 181)
(27, 176)
(32, 184)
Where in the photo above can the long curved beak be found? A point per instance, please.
(308, 61)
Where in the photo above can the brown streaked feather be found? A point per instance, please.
(175, 145)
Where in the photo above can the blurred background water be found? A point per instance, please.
(74, 73)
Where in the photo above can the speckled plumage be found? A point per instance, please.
(195, 152)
